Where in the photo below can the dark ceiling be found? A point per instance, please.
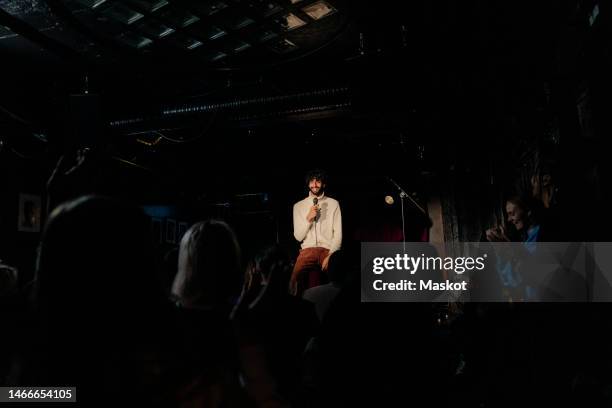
(212, 34)
(167, 79)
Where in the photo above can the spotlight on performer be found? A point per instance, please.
(389, 200)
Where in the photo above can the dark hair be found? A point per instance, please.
(316, 174)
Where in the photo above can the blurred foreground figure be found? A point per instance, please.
(101, 314)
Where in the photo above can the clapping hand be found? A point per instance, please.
(497, 234)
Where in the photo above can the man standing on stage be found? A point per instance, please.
(317, 224)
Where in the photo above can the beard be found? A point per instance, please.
(316, 192)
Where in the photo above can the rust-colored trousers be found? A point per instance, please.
(307, 270)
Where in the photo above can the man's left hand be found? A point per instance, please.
(325, 263)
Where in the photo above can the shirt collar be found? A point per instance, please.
(311, 196)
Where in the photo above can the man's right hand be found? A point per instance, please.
(312, 214)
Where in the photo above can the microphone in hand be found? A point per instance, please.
(314, 211)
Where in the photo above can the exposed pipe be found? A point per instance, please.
(239, 103)
(315, 100)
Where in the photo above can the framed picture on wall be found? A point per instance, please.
(170, 231)
(29, 213)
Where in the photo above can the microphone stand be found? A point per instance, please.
(403, 195)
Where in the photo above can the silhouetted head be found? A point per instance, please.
(209, 267)
(95, 257)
